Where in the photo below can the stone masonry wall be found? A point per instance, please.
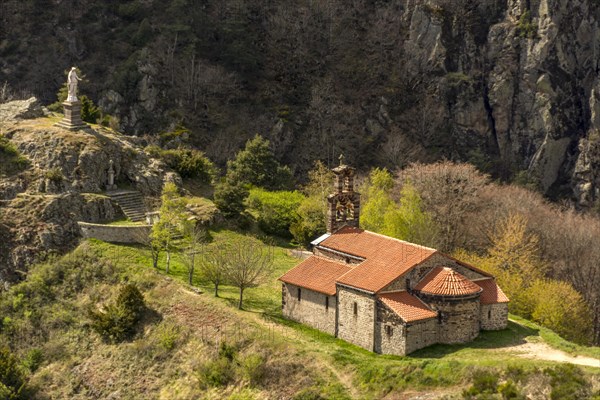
(115, 233)
(320, 251)
(421, 334)
(311, 309)
(356, 328)
(494, 316)
(460, 318)
(392, 339)
(418, 272)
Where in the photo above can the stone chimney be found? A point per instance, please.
(343, 205)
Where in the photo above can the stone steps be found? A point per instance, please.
(131, 203)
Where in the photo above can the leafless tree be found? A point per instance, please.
(213, 264)
(450, 193)
(250, 263)
(195, 239)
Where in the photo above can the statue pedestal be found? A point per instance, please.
(72, 119)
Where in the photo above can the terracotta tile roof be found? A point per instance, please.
(492, 293)
(316, 273)
(407, 306)
(386, 258)
(444, 281)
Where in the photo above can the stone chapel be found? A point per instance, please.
(383, 294)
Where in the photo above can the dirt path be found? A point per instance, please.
(542, 351)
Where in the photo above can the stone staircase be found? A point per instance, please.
(131, 203)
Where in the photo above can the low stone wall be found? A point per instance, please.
(115, 233)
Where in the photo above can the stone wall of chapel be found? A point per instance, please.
(311, 309)
(421, 334)
(336, 256)
(359, 327)
(494, 316)
(459, 322)
(390, 332)
(418, 272)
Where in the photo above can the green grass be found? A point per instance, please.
(126, 222)
(555, 340)
(375, 375)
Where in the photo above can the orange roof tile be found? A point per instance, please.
(407, 306)
(444, 281)
(316, 273)
(492, 293)
(386, 258)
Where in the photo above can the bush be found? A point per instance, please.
(484, 382)
(10, 158)
(55, 175)
(119, 320)
(33, 359)
(568, 383)
(216, 373)
(256, 165)
(12, 380)
(252, 368)
(167, 336)
(275, 211)
(188, 163)
(229, 198)
(310, 222)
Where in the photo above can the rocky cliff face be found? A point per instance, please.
(63, 182)
(510, 85)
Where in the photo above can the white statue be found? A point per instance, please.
(72, 80)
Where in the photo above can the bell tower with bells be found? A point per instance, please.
(343, 206)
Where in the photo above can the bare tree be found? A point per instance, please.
(195, 238)
(213, 264)
(250, 263)
(450, 193)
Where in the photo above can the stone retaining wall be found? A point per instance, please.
(115, 233)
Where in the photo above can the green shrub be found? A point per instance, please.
(252, 369)
(168, 335)
(216, 373)
(509, 391)
(10, 158)
(188, 163)
(256, 165)
(12, 380)
(526, 28)
(33, 359)
(229, 198)
(89, 111)
(119, 320)
(568, 383)
(308, 394)
(484, 383)
(310, 222)
(275, 211)
(55, 175)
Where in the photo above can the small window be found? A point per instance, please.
(355, 309)
(299, 294)
(489, 314)
(326, 303)
(389, 330)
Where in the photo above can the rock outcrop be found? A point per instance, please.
(510, 85)
(64, 182)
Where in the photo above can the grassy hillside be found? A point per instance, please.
(192, 345)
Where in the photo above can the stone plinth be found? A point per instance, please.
(72, 119)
